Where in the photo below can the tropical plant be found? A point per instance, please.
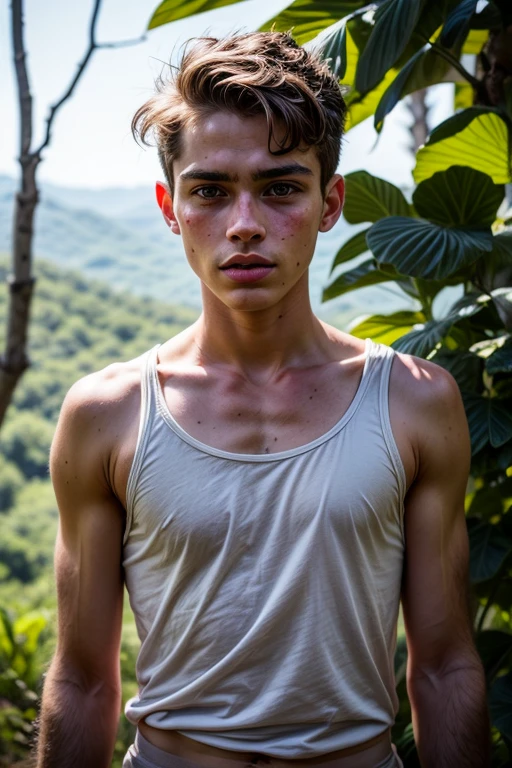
(451, 240)
(20, 679)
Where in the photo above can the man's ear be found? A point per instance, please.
(333, 203)
(164, 200)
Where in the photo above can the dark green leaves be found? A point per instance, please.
(489, 419)
(423, 69)
(335, 51)
(488, 549)
(421, 249)
(457, 23)
(361, 276)
(352, 248)
(423, 340)
(501, 360)
(368, 198)
(172, 10)
(308, 18)
(500, 702)
(394, 22)
(459, 197)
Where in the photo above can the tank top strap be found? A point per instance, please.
(381, 359)
(148, 408)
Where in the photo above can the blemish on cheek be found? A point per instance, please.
(188, 221)
(198, 422)
(298, 263)
(280, 316)
(193, 251)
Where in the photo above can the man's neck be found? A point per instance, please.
(260, 344)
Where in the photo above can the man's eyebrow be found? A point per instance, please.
(292, 169)
(203, 175)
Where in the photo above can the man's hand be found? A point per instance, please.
(446, 682)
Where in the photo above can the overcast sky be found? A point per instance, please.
(92, 145)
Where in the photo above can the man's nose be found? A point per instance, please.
(245, 222)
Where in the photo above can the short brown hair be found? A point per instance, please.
(251, 74)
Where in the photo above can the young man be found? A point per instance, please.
(267, 486)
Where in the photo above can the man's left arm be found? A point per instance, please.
(445, 678)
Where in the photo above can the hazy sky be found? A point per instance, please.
(92, 145)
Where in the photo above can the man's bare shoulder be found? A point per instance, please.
(103, 401)
(423, 384)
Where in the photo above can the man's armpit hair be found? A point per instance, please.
(261, 73)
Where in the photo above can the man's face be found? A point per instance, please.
(249, 219)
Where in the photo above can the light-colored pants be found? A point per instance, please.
(142, 754)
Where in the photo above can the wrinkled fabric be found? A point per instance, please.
(265, 588)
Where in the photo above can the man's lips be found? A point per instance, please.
(246, 261)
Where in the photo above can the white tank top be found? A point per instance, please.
(266, 588)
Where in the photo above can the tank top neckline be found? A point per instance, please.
(165, 413)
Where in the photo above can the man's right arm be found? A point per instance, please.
(81, 697)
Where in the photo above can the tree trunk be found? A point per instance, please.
(15, 361)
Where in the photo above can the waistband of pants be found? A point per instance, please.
(380, 758)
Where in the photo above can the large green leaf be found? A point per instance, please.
(369, 198)
(172, 10)
(361, 276)
(308, 18)
(488, 547)
(394, 23)
(490, 421)
(501, 360)
(460, 197)
(352, 248)
(334, 51)
(502, 300)
(457, 23)
(419, 248)
(424, 69)
(478, 139)
(387, 328)
(421, 341)
(500, 703)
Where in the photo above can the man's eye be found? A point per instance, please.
(281, 189)
(208, 193)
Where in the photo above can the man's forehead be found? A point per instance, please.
(235, 145)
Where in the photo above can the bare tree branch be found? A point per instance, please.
(123, 43)
(93, 45)
(20, 64)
